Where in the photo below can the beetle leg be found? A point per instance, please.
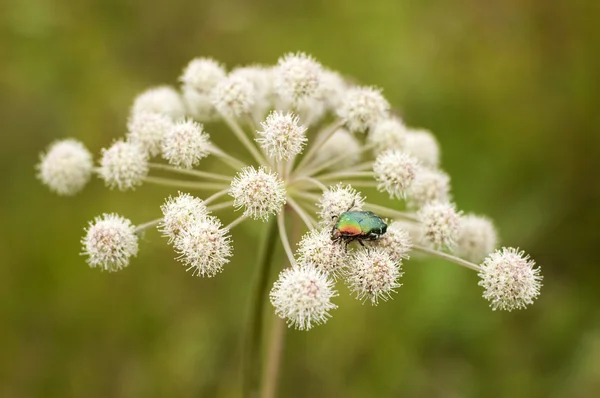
(352, 205)
(361, 242)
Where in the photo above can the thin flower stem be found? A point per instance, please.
(306, 195)
(216, 196)
(195, 173)
(313, 181)
(252, 362)
(446, 256)
(387, 212)
(323, 166)
(239, 133)
(355, 184)
(284, 238)
(220, 206)
(236, 222)
(368, 165)
(276, 339)
(319, 141)
(349, 174)
(149, 224)
(168, 182)
(308, 220)
(289, 165)
(252, 124)
(229, 160)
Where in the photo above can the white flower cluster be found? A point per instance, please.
(311, 138)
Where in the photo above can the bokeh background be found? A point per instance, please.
(511, 89)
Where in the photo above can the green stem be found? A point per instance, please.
(275, 349)
(149, 224)
(319, 141)
(195, 173)
(449, 257)
(184, 184)
(387, 212)
(347, 174)
(239, 133)
(229, 160)
(252, 365)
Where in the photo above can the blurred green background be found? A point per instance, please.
(511, 89)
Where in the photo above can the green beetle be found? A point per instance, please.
(359, 226)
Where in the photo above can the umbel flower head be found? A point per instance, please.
(185, 143)
(124, 165)
(147, 129)
(373, 275)
(297, 76)
(204, 246)
(476, 238)
(180, 213)
(440, 222)
(395, 172)
(202, 75)
(282, 136)
(363, 108)
(258, 191)
(66, 167)
(315, 145)
(302, 295)
(109, 242)
(510, 279)
(317, 248)
(389, 133)
(163, 99)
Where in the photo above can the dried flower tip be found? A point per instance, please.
(373, 275)
(283, 137)
(476, 238)
(234, 96)
(363, 108)
(259, 192)
(185, 144)
(340, 143)
(428, 186)
(297, 76)
(510, 279)
(440, 222)
(396, 242)
(148, 129)
(336, 200)
(180, 213)
(109, 242)
(395, 172)
(202, 75)
(204, 246)
(199, 105)
(302, 295)
(423, 145)
(66, 167)
(388, 134)
(317, 248)
(162, 99)
(124, 165)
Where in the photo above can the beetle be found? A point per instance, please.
(357, 226)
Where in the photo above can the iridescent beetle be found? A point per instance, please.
(359, 226)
